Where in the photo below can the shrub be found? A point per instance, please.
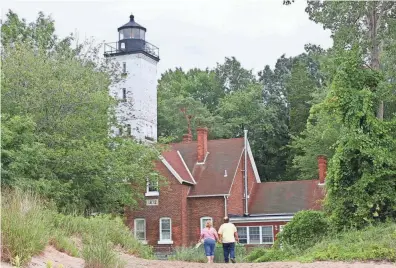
(99, 253)
(64, 244)
(306, 229)
(24, 224)
(198, 254)
(376, 243)
(189, 254)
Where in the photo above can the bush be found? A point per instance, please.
(28, 225)
(99, 253)
(189, 254)
(24, 226)
(269, 254)
(375, 243)
(305, 230)
(64, 244)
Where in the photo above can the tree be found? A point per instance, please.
(56, 111)
(233, 76)
(364, 23)
(362, 173)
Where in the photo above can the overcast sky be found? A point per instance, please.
(190, 33)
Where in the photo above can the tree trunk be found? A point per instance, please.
(374, 19)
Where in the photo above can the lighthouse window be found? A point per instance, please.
(124, 94)
(125, 34)
(124, 67)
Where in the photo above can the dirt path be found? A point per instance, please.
(56, 257)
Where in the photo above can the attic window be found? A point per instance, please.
(152, 188)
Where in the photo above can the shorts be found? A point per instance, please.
(209, 245)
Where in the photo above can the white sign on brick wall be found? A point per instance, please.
(152, 202)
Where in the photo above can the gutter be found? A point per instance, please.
(261, 219)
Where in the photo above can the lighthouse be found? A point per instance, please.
(136, 93)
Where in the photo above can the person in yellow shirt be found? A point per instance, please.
(228, 235)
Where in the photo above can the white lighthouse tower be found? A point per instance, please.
(136, 111)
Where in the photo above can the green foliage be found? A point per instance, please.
(190, 255)
(64, 244)
(198, 254)
(375, 243)
(362, 173)
(261, 254)
(29, 224)
(306, 229)
(98, 253)
(24, 226)
(56, 111)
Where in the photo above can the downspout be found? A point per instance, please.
(225, 206)
(246, 176)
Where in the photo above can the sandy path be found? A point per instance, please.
(56, 257)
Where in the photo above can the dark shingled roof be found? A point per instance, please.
(223, 155)
(286, 197)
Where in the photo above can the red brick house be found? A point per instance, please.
(208, 179)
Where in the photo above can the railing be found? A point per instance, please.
(132, 45)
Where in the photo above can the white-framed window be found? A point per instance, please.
(267, 234)
(139, 229)
(204, 220)
(152, 187)
(242, 234)
(256, 234)
(165, 225)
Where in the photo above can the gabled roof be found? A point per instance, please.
(208, 178)
(286, 197)
(173, 158)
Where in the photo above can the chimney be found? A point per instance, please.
(187, 137)
(202, 144)
(322, 165)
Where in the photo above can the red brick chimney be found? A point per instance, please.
(187, 137)
(202, 144)
(322, 165)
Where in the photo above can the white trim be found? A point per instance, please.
(261, 219)
(185, 165)
(153, 193)
(148, 192)
(203, 163)
(165, 241)
(236, 170)
(207, 218)
(253, 163)
(174, 173)
(209, 195)
(260, 234)
(134, 229)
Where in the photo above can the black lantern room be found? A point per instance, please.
(131, 30)
(131, 39)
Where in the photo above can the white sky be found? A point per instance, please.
(190, 33)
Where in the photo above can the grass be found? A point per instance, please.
(29, 225)
(198, 254)
(375, 243)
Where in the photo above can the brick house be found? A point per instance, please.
(208, 179)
